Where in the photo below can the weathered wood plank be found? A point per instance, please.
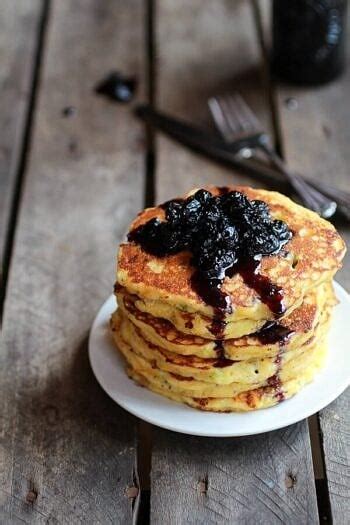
(19, 27)
(335, 428)
(315, 137)
(256, 480)
(204, 48)
(67, 452)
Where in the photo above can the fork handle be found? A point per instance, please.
(310, 196)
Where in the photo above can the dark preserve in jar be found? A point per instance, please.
(308, 40)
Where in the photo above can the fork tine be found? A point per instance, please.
(231, 115)
(236, 112)
(219, 112)
(219, 116)
(245, 112)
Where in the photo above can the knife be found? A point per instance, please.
(213, 147)
(210, 145)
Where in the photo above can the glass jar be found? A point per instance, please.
(308, 40)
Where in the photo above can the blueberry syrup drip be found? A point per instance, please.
(226, 234)
(268, 292)
(212, 295)
(272, 333)
(222, 361)
(275, 380)
(189, 322)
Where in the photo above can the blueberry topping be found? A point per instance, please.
(218, 231)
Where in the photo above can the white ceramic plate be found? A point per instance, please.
(109, 369)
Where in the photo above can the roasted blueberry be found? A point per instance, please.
(173, 211)
(229, 237)
(281, 229)
(219, 231)
(213, 211)
(260, 208)
(170, 239)
(202, 196)
(146, 235)
(192, 210)
(233, 201)
(264, 244)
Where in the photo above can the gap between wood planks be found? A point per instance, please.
(25, 148)
(150, 93)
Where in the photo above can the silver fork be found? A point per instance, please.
(236, 121)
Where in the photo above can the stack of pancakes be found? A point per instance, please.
(166, 331)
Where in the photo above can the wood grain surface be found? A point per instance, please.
(205, 48)
(19, 30)
(67, 452)
(259, 479)
(315, 138)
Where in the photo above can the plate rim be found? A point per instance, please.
(316, 407)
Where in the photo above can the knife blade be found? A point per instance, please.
(215, 148)
(210, 145)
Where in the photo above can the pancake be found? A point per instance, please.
(254, 399)
(241, 342)
(299, 324)
(194, 323)
(211, 370)
(207, 396)
(312, 257)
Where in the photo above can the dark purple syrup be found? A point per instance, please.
(275, 380)
(221, 303)
(273, 332)
(226, 234)
(222, 361)
(269, 293)
(211, 293)
(223, 190)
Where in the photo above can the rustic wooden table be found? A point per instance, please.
(69, 186)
